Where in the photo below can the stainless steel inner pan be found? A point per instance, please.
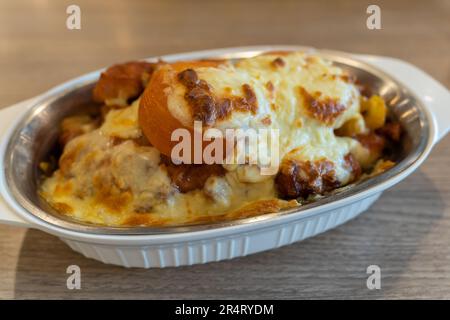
(36, 134)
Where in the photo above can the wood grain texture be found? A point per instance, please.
(406, 233)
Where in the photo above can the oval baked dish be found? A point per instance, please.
(115, 166)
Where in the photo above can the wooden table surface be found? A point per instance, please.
(407, 231)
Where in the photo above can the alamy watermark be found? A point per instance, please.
(234, 146)
(73, 21)
(373, 21)
(73, 281)
(374, 280)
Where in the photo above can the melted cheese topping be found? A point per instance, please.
(303, 96)
(278, 89)
(122, 123)
(125, 184)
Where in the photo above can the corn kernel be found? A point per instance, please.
(375, 112)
